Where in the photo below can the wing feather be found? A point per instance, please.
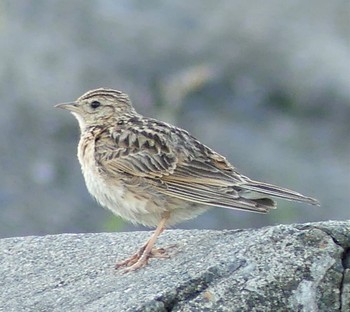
(138, 155)
(213, 196)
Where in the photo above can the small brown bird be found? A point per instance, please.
(155, 174)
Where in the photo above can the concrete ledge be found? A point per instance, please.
(302, 267)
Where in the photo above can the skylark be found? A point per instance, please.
(150, 172)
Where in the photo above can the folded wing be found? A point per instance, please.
(195, 173)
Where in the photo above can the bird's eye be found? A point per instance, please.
(95, 104)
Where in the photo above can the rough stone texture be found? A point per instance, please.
(303, 267)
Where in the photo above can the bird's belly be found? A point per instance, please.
(140, 207)
(114, 196)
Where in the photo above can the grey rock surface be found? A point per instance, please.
(302, 267)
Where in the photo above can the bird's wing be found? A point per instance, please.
(190, 170)
(211, 180)
(135, 152)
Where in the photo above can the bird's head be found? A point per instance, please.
(100, 107)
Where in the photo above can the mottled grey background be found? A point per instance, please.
(267, 84)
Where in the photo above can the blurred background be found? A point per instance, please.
(267, 84)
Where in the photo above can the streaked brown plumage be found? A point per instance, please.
(155, 174)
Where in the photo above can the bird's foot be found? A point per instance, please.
(140, 258)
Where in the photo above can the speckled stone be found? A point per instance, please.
(302, 267)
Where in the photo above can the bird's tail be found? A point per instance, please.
(250, 188)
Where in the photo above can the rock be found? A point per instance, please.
(302, 267)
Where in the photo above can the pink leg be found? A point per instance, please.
(140, 258)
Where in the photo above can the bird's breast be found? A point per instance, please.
(110, 192)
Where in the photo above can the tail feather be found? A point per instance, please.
(276, 191)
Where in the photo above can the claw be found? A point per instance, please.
(141, 257)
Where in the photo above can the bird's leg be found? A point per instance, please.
(140, 258)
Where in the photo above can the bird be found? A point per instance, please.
(152, 173)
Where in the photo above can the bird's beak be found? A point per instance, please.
(71, 106)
